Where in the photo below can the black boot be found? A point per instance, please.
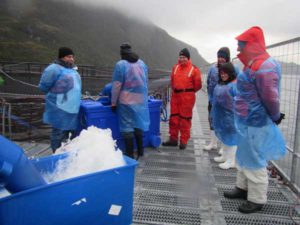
(250, 207)
(236, 193)
(139, 142)
(129, 144)
(170, 142)
(182, 146)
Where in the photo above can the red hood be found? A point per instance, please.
(255, 49)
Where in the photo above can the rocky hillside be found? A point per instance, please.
(34, 30)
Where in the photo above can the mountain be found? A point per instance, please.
(34, 31)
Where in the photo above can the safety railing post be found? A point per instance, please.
(295, 158)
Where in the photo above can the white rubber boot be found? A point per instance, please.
(221, 151)
(229, 154)
(213, 142)
(220, 159)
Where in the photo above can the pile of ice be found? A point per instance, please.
(92, 151)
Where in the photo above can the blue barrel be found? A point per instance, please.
(154, 141)
(17, 173)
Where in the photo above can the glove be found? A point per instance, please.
(282, 116)
(114, 108)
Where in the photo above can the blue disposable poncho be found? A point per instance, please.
(212, 81)
(106, 91)
(256, 105)
(223, 113)
(130, 94)
(63, 88)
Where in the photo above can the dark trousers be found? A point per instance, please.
(58, 136)
(209, 117)
(129, 142)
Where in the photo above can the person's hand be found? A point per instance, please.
(114, 108)
(282, 116)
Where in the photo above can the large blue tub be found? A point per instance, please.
(104, 197)
(99, 114)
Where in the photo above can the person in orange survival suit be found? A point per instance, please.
(185, 82)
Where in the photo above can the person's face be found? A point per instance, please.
(221, 60)
(241, 46)
(239, 49)
(224, 76)
(69, 59)
(183, 59)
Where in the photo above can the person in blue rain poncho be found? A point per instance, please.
(130, 99)
(223, 115)
(62, 85)
(223, 56)
(257, 115)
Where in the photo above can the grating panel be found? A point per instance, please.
(176, 150)
(213, 153)
(150, 159)
(232, 180)
(251, 220)
(229, 172)
(169, 165)
(164, 215)
(165, 198)
(225, 179)
(172, 157)
(269, 208)
(168, 174)
(161, 186)
(273, 195)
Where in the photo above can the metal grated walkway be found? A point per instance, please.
(186, 187)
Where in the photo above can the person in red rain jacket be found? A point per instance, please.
(185, 82)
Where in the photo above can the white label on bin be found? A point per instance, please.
(115, 210)
(79, 201)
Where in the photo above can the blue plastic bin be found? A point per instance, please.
(101, 198)
(17, 173)
(99, 114)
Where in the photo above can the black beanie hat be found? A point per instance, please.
(224, 52)
(64, 51)
(125, 48)
(185, 52)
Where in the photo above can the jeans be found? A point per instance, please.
(58, 136)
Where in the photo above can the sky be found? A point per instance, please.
(210, 24)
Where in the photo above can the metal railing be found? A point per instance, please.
(94, 78)
(288, 54)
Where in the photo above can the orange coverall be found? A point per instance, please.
(185, 82)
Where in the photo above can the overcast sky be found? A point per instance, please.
(211, 24)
